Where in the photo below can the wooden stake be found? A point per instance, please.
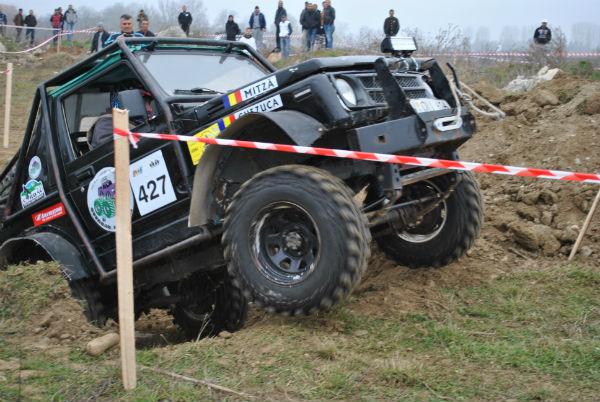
(124, 251)
(585, 227)
(9, 67)
(58, 42)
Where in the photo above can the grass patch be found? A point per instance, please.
(584, 69)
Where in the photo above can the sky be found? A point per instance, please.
(428, 16)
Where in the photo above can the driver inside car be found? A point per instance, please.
(139, 104)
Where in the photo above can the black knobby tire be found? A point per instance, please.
(210, 306)
(447, 232)
(88, 292)
(295, 241)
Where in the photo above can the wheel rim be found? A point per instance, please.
(432, 223)
(285, 243)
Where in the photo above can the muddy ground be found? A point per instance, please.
(529, 223)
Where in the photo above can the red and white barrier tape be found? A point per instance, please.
(6, 72)
(26, 27)
(88, 30)
(369, 156)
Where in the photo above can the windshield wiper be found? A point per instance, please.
(197, 90)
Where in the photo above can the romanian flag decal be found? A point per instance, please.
(232, 99)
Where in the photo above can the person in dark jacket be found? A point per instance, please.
(278, 14)
(126, 30)
(312, 21)
(141, 17)
(232, 29)
(30, 22)
(144, 29)
(391, 25)
(99, 38)
(185, 20)
(542, 34)
(19, 21)
(328, 17)
(259, 25)
(3, 22)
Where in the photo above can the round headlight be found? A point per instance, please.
(346, 91)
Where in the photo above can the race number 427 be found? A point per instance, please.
(151, 183)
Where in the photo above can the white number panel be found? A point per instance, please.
(151, 183)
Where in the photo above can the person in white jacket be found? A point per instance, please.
(248, 38)
(285, 34)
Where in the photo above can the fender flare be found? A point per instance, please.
(298, 127)
(46, 245)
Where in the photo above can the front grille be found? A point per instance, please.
(412, 85)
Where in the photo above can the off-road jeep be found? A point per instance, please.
(214, 227)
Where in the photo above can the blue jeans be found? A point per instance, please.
(329, 35)
(55, 31)
(285, 46)
(30, 32)
(311, 35)
(71, 26)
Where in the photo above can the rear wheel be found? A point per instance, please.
(295, 241)
(210, 305)
(88, 292)
(444, 234)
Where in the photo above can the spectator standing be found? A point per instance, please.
(285, 29)
(56, 20)
(126, 31)
(71, 20)
(185, 20)
(30, 22)
(542, 34)
(19, 21)
(231, 28)
(328, 18)
(99, 38)
(3, 22)
(144, 29)
(302, 20)
(312, 21)
(248, 38)
(391, 25)
(259, 25)
(278, 14)
(141, 17)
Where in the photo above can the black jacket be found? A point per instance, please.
(312, 19)
(232, 29)
(542, 35)
(30, 21)
(185, 19)
(148, 34)
(391, 26)
(278, 14)
(95, 40)
(328, 15)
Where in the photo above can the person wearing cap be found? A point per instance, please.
(259, 25)
(141, 17)
(542, 34)
(99, 38)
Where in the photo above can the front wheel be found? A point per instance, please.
(444, 234)
(295, 241)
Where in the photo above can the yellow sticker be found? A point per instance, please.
(198, 148)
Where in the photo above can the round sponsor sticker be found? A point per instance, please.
(35, 167)
(101, 199)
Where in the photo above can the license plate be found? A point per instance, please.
(423, 105)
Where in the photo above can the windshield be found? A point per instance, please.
(200, 72)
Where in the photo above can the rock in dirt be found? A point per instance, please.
(546, 218)
(525, 236)
(100, 345)
(532, 237)
(528, 212)
(544, 97)
(225, 334)
(586, 251)
(524, 84)
(46, 319)
(590, 105)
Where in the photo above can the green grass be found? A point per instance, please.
(526, 336)
(584, 69)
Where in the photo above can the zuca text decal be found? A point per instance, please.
(48, 214)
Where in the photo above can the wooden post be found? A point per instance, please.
(124, 251)
(585, 227)
(58, 42)
(9, 69)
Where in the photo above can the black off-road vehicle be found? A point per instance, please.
(214, 227)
